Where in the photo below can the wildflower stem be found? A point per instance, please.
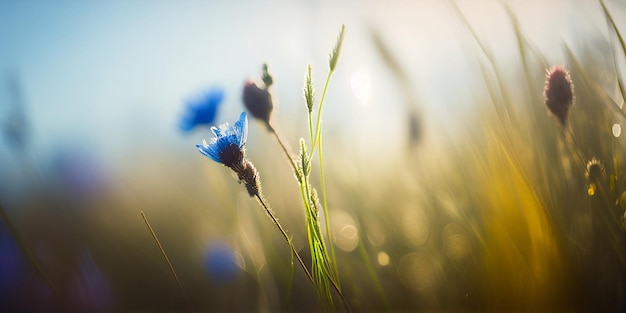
(270, 213)
(285, 148)
(143, 215)
(289, 287)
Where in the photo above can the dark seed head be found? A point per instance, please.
(258, 101)
(250, 177)
(232, 156)
(559, 92)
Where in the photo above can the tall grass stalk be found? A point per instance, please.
(611, 22)
(317, 140)
(325, 272)
(507, 111)
(167, 259)
(319, 257)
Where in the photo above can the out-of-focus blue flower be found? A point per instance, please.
(227, 145)
(16, 130)
(202, 110)
(11, 263)
(91, 290)
(78, 171)
(220, 262)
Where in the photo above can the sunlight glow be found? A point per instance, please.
(362, 86)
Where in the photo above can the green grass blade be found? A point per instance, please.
(610, 20)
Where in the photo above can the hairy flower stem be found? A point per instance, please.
(285, 148)
(270, 213)
(145, 219)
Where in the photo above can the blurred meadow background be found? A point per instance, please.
(450, 185)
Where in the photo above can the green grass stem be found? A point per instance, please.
(318, 124)
(333, 257)
(317, 142)
(314, 244)
(506, 99)
(595, 87)
(622, 45)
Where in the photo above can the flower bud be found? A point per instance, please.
(258, 101)
(595, 171)
(558, 92)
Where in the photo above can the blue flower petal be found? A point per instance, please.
(209, 151)
(241, 128)
(217, 131)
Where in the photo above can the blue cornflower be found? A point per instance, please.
(227, 147)
(202, 110)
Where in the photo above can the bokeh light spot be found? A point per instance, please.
(347, 234)
(456, 242)
(416, 271)
(617, 130)
(382, 258)
(349, 238)
(415, 225)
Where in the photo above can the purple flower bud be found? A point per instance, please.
(558, 92)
